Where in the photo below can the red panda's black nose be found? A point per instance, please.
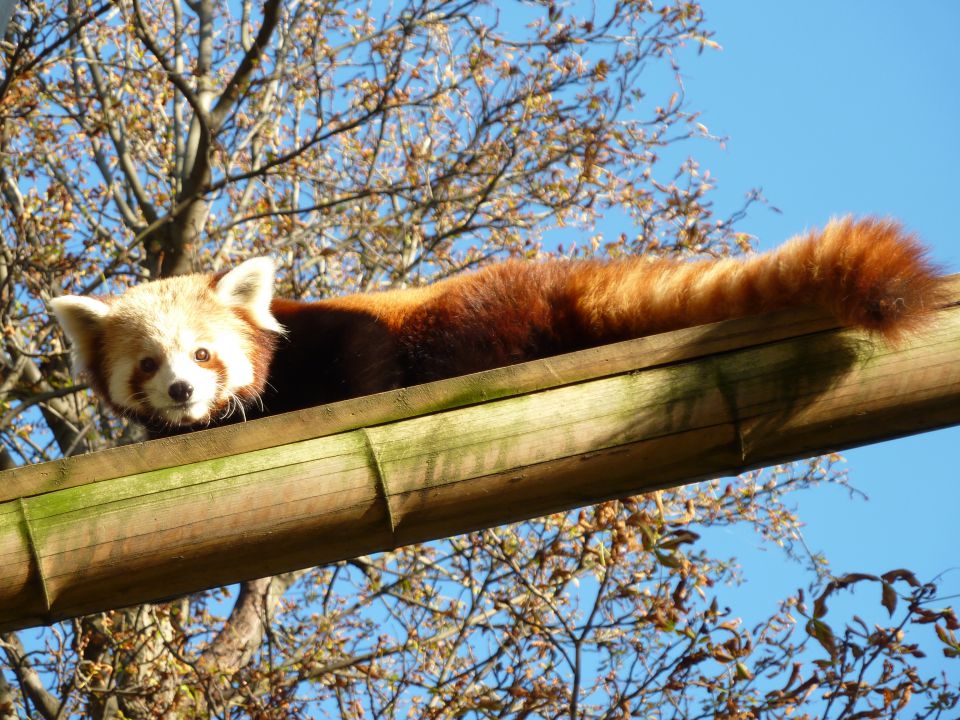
(180, 391)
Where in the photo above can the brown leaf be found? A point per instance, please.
(820, 605)
(823, 634)
(889, 598)
(945, 635)
(901, 574)
(850, 578)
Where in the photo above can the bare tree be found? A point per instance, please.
(366, 145)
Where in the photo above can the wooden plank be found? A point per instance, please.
(402, 403)
(153, 533)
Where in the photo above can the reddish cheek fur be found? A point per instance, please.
(215, 364)
(137, 381)
(97, 369)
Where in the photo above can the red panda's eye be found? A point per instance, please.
(201, 355)
(148, 365)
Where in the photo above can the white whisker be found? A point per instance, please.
(240, 408)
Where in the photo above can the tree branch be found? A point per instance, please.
(8, 700)
(175, 77)
(242, 632)
(115, 131)
(251, 59)
(29, 679)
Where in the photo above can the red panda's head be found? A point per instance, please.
(182, 351)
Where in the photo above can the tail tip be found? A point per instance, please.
(889, 283)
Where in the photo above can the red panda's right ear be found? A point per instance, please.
(250, 286)
(80, 317)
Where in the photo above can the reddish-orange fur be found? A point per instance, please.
(867, 273)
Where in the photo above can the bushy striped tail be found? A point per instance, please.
(869, 273)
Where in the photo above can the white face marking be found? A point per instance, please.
(239, 369)
(179, 387)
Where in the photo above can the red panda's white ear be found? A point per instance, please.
(80, 317)
(250, 286)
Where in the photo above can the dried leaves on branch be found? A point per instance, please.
(371, 145)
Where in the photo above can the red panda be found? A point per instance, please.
(199, 350)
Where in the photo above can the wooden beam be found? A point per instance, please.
(163, 518)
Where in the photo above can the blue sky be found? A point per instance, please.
(836, 108)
